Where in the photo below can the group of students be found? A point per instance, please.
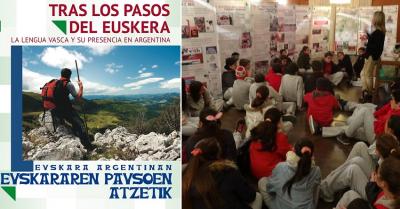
(216, 160)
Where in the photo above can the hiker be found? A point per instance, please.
(63, 109)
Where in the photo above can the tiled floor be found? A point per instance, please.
(329, 154)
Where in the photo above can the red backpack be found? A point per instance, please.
(49, 93)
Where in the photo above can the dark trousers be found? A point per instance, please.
(78, 126)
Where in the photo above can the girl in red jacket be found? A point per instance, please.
(321, 104)
(269, 144)
(274, 75)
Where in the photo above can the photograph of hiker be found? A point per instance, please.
(101, 103)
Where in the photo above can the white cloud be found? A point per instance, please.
(59, 57)
(136, 88)
(33, 62)
(142, 70)
(145, 75)
(154, 66)
(129, 78)
(100, 50)
(142, 82)
(90, 88)
(113, 68)
(178, 62)
(33, 81)
(171, 84)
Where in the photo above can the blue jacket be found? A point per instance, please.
(302, 192)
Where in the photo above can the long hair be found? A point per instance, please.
(379, 21)
(305, 150)
(394, 124)
(210, 128)
(197, 175)
(262, 94)
(389, 172)
(266, 130)
(195, 90)
(385, 144)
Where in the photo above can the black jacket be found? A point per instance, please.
(228, 78)
(303, 61)
(234, 191)
(375, 44)
(228, 150)
(346, 64)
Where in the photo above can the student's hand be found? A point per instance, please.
(80, 84)
(373, 176)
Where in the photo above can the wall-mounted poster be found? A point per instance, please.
(191, 56)
(320, 30)
(346, 30)
(303, 24)
(391, 14)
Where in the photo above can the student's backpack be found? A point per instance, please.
(50, 93)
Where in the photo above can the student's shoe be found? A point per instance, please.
(342, 138)
(240, 125)
(312, 125)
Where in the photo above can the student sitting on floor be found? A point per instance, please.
(210, 126)
(246, 64)
(274, 75)
(198, 99)
(365, 123)
(321, 104)
(285, 61)
(344, 65)
(241, 87)
(269, 144)
(209, 181)
(228, 77)
(364, 158)
(292, 86)
(256, 110)
(304, 58)
(331, 72)
(274, 97)
(383, 190)
(359, 64)
(355, 172)
(294, 183)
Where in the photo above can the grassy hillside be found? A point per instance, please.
(138, 115)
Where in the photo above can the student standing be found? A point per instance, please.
(374, 51)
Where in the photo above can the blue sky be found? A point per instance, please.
(105, 70)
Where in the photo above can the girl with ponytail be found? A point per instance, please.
(294, 183)
(362, 159)
(269, 144)
(209, 182)
(361, 183)
(210, 126)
